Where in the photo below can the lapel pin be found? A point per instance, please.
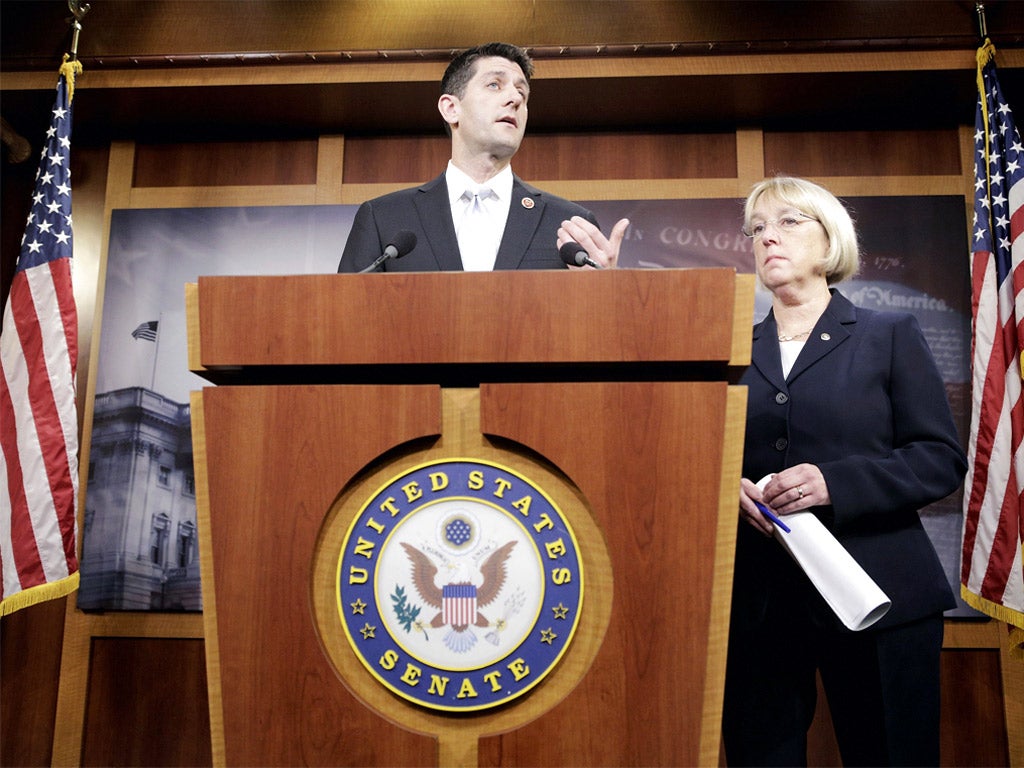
(826, 336)
(528, 203)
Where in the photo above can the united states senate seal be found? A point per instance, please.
(460, 585)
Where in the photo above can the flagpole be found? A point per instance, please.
(156, 351)
(979, 9)
(78, 11)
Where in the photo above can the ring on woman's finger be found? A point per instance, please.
(800, 491)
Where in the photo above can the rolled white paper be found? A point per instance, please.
(852, 595)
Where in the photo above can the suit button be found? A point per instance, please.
(781, 444)
(781, 398)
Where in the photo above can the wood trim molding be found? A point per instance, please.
(330, 164)
(592, 67)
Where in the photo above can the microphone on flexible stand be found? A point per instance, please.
(399, 245)
(574, 255)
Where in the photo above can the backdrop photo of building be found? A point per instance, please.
(141, 550)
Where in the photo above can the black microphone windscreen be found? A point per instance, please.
(572, 253)
(403, 242)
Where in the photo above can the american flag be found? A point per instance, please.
(991, 576)
(146, 330)
(38, 359)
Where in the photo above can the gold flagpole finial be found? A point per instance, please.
(979, 9)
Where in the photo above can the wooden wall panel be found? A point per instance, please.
(226, 163)
(147, 703)
(624, 155)
(863, 153)
(584, 157)
(973, 726)
(395, 159)
(30, 645)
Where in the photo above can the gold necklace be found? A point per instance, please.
(795, 336)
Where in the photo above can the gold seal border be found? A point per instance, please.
(578, 608)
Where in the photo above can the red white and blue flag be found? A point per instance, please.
(991, 576)
(38, 413)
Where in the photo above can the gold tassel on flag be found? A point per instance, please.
(70, 69)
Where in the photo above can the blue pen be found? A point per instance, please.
(771, 516)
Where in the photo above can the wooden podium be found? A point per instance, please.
(609, 389)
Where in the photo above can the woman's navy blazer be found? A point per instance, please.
(866, 404)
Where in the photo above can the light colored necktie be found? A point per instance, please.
(476, 238)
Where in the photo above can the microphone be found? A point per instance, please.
(399, 245)
(574, 255)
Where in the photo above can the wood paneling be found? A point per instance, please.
(862, 153)
(643, 700)
(584, 158)
(973, 726)
(30, 643)
(277, 697)
(396, 159)
(627, 156)
(254, 322)
(147, 703)
(226, 163)
(581, 156)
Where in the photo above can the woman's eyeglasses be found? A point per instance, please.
(786, 223)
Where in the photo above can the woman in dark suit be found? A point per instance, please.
(848, 416)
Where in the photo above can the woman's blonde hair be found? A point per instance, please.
(842, 259)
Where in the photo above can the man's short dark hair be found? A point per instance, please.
(461, 70)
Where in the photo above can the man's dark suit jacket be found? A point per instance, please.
(866, 404)
(529, 241)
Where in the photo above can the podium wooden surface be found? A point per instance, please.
(612, 387)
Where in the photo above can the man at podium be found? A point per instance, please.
(478, 215)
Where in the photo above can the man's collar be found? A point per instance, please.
(459, 181)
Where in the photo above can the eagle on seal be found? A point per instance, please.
(458, 600)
